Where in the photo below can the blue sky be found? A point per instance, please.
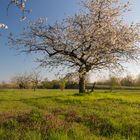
(11, 62)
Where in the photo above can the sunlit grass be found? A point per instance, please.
(100, 115)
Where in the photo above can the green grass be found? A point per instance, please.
(56, 115)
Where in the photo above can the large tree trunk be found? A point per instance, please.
(82, 87)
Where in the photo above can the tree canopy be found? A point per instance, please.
(96, 38)
(21, 5)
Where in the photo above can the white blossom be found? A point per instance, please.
(4, 26)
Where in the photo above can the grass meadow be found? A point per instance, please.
(57, 115)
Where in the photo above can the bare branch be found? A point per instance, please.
(88, 41)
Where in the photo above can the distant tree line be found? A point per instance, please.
(119, 82)
(34, 81)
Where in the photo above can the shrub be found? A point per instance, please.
(35, 116)
(11, 124)
(62, 85)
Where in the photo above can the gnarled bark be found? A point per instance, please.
(82, 87)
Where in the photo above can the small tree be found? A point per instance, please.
(114, 81)
(137, 81)
(62, 84)
(92, 40)
(35, 79)
(22, 80)
(127, 81)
